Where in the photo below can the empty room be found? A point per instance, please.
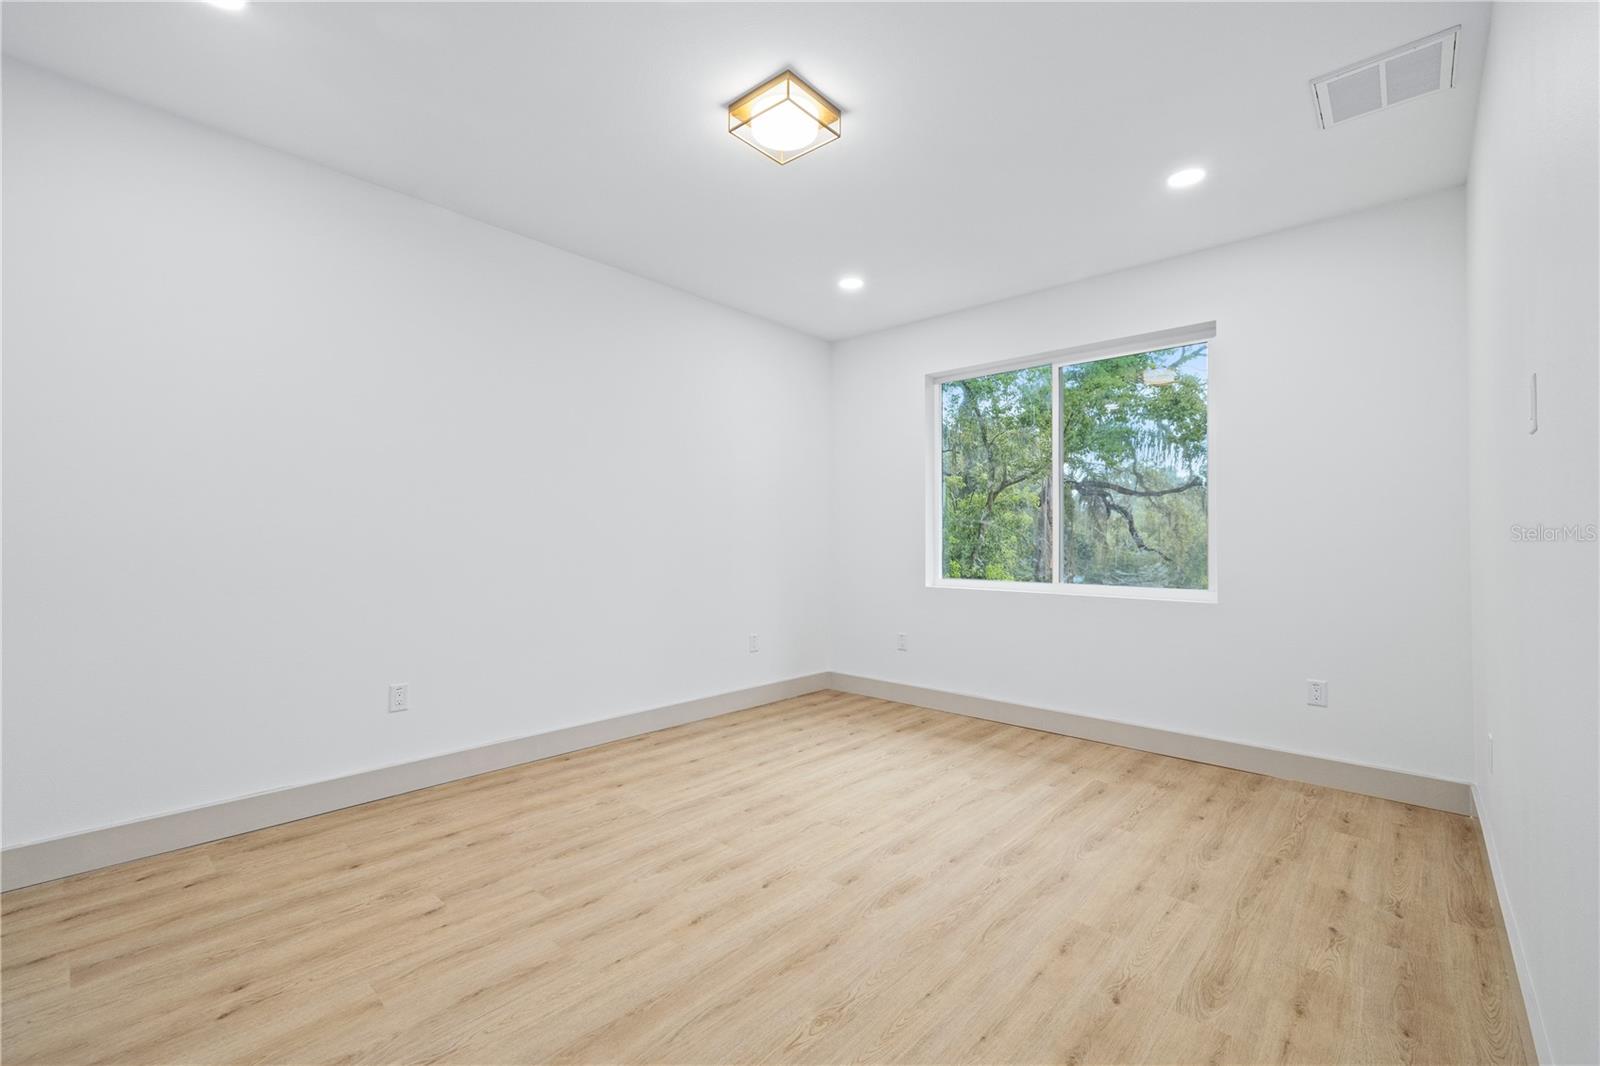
(903, 533)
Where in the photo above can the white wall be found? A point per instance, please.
(1339, 500)
(1533, 214)
(274, 438)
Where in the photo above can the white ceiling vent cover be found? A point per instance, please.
(1406, 73)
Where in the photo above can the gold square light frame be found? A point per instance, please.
(787, 89)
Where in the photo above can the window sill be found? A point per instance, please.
(1114, 592)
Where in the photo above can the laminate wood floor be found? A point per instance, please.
(824, 880)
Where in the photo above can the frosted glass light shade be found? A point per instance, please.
(784, 118)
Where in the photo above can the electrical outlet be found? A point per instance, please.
(399, 697)
(900, 642)
(1316, 693)
(755, 643)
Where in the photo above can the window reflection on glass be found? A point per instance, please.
(1134, 470)
(995, 464)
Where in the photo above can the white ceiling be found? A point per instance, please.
(988, 149)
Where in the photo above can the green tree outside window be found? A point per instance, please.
(1134, 470)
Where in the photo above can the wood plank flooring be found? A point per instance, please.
(828, 879)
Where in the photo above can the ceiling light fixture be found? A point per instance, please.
(229, 5)
(851, 283)
(783, 118)
(1185, 178)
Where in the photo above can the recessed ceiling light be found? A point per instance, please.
(229, 5)
(1186, 177)
(851, 283)
(783, 118)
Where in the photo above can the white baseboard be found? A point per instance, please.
(1418, 789)
(1508, 921)
(46, 860)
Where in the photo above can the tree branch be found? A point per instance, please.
(1091, 485)
(1127, 516)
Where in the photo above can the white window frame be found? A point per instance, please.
(1204, 332)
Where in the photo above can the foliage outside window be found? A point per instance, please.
(1130, 491)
